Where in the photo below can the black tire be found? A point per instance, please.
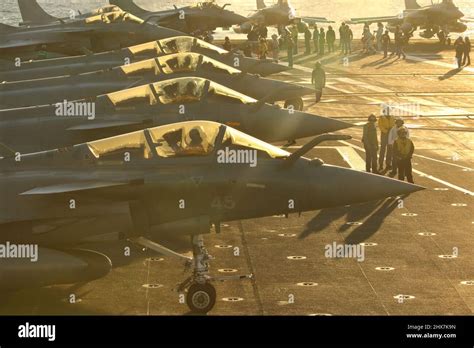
(201, 298)
(297, 104)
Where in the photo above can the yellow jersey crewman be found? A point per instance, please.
(386, 123)
(403, 150)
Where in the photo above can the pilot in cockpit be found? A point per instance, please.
(198, 145)
(171, 91)
(172, 46)
(187, 62)
(191, 92)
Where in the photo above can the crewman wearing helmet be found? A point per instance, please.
(392, 136)
(371, 144)
(403, 149)
(386, 122)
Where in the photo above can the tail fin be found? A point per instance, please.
(130, 6)
(411, 5)
(261, 4)
(32, 13)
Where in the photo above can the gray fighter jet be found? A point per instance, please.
(280, 15)
(51, 90)
(437, 19)
(33, 14)
(170, 101)
(178, 179)
(202, 17)
(27, 70)
(104, 32)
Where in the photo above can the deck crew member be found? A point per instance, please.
(371, 144)
(403, 151)
(318, 78)
(392, 136)
(386, 122)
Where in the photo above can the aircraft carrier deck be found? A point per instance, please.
(419, 256)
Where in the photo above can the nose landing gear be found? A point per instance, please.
(200, 293)
(201, 298)
(296, 103)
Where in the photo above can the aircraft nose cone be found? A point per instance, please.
(234, 18)
(159, 33)
(280, 125)
(287, 91)
(335, 186)
(307, 90)
(301, 125)
(267, 67)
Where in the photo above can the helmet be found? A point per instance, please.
(403, 131)
(399, 122)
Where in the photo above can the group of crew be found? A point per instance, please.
(463, 51)
(394, 150)
(379, 41)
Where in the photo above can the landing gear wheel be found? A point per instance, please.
(297, 104)
(201, 298)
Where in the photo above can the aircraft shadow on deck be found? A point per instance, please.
(375, 214)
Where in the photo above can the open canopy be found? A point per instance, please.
(187, 139)
(176, 91)
(177, 44)
(113, 17)
(206, 4)
(178, 63)
(106, 9)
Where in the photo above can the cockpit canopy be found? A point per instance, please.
(187, 139)
(176, 91)
(146, 48)
(113, 17)
(179, 44)
(106, 9)
(186, 44)
(206, 5)
(178, 63)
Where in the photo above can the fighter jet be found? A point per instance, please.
(280, 15)
(204, 16)
(179, 179)
(437, 19)
(105, 32)
(171, 101)
(33, 14)
(88, 85)
(26, 70)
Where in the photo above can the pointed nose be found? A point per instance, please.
(266, 68)
(335, 186)
(282, 125)
(158, 33)
(235, 19)
(286, 91)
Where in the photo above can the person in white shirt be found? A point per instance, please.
(392, 136)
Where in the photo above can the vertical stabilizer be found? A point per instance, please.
(411, 5)
(33, 13)
(261, 4)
